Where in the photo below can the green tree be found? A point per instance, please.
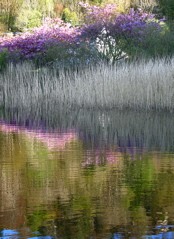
(32, 12)
(70, 16)
(167, 8)
(8, 12)
(146, 5)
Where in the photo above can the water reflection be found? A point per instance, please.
(52, 140)
(14, 234)
(125, 129)
(88, 178)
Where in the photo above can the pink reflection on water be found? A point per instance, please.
(52, 140)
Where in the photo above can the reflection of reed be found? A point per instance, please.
(105, 128)
(103, 157)
(127, 130)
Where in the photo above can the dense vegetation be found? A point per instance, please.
(21, 14)
(94, 32)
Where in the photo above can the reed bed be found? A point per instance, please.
(139, 85)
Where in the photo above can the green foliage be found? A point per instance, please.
(145, 5)
(156, 44)
(65, 55)
(28, 19)
(70, 16)
(34, 19)
(46, 7)
(167, 7)
(9, 11)
(3, 59)
(8, 20)
(30, 15)
(96, 2)
(3, 26)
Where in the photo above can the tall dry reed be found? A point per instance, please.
(141, 86)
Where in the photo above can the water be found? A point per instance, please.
(86, 174)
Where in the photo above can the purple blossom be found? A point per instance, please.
(100, 22)
(30, 44)
(134, 24)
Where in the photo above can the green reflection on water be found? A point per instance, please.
(54, 191)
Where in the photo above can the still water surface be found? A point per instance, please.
(87, 175)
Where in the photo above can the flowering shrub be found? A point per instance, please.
(106, 32)
(117, 33)
(31, 44)
(133, 25)
(102, 15)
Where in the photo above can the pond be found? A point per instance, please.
(85, 174)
